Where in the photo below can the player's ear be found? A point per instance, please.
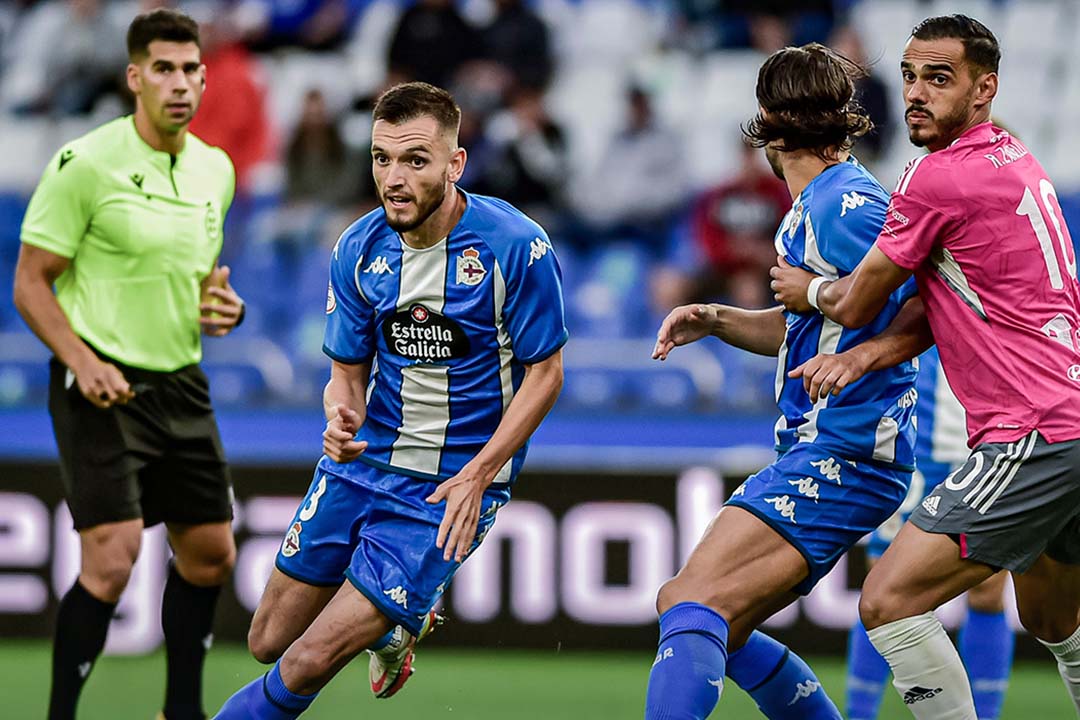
(986, 87)
(134, 80)
(457, 165)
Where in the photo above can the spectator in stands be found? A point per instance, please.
(64, 57)
(730, 228)
(639, 184)
(310, 24)
(233, 115)
(319, 167)
(527, 162)
(870, 92)
(765, 25)
(517, 40)
(431, 43)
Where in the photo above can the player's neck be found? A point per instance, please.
(978, 118)
(172, 143)
(439, 225)
(802, 166)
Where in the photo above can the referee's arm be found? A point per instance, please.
(37, 269)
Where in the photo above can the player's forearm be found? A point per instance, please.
(907, 336)
(35, 301)
(348, 387)
(534, 399)
(757, 331)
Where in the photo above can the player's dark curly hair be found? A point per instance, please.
(160, 24)
(807, 102)
(981, 49)
(412, 100)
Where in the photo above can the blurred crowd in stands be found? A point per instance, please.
(644, 218)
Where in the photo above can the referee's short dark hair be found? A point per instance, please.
(160, 24)
(412, 100)
(981, 49)
(807, 95)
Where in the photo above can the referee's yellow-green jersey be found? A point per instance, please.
(142, 228)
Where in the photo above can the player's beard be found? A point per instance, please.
(424, 210)
(945, 128)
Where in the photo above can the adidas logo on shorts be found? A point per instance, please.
(931, 503)
(917, 693)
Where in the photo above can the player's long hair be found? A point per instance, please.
(807, 102)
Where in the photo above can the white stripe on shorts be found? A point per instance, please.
(1030, 440)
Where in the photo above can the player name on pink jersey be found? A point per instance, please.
(980, 225)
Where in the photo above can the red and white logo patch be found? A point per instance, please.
(419, 313)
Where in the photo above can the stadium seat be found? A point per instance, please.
(24, 371)
(248, 371)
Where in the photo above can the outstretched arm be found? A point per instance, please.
(907, 336)
(852, 301)
(758, 331)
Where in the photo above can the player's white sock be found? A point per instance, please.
(926, 668)
(1067, 653)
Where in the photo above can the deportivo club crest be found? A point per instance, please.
(331, 299)
(470, 271)
(291, 545)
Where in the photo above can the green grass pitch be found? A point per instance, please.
(466, 685)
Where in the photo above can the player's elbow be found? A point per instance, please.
(852, 315)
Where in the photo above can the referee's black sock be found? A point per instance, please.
(81, 625)
(187, 617)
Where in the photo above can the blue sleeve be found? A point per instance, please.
(533, 310)
(846, 229)
(350, 319)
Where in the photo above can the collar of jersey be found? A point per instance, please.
(406, 247)
(145, 150)
(972, 133)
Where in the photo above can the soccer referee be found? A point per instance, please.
(126, 222)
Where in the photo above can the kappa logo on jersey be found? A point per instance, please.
(908, 399)
(65, 158)
(663, 655)
(379, 266)
(918, 693)
(931, 503)
(741, 490)
(538, 250)
(291, 545)
(470, 271)
(829, 469)
(805, 690)
(851, 201)
(423, 334)
(331, 299)
(785, 506)
(807, 487)
(399, 595)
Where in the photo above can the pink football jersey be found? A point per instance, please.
(980, 224)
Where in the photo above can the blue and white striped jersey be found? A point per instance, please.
(448, 330)
(830, 227)
(941, 435)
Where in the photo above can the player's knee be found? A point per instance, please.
(877, 606)
(670, 594)
(986, 598)
(306, 663)
(107, 578)
(1052, 622)
(264, 646)
(209, 568)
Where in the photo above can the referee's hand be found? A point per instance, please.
(103, 384)
(339, 442)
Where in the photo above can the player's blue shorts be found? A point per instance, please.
(926, 477)
(379, 533)
(821, 503)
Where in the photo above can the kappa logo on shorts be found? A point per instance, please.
(291, 545)
(785, 506)
(399, 595)
(829, 469)
(931, 503)
(917, 693)
(807, 486)
(805, 690)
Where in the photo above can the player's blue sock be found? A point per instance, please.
(265, 698)
(688, 674)
(781, 683)
(986, 647)
(867, 673)
(383, 641)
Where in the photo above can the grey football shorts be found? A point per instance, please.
(1010, 503)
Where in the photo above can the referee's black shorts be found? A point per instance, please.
(159, 457)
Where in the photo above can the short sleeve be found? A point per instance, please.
(911, 230)
(350, 319)
(62, 204)
(845, 230)
(533, 310)
(230, 185)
